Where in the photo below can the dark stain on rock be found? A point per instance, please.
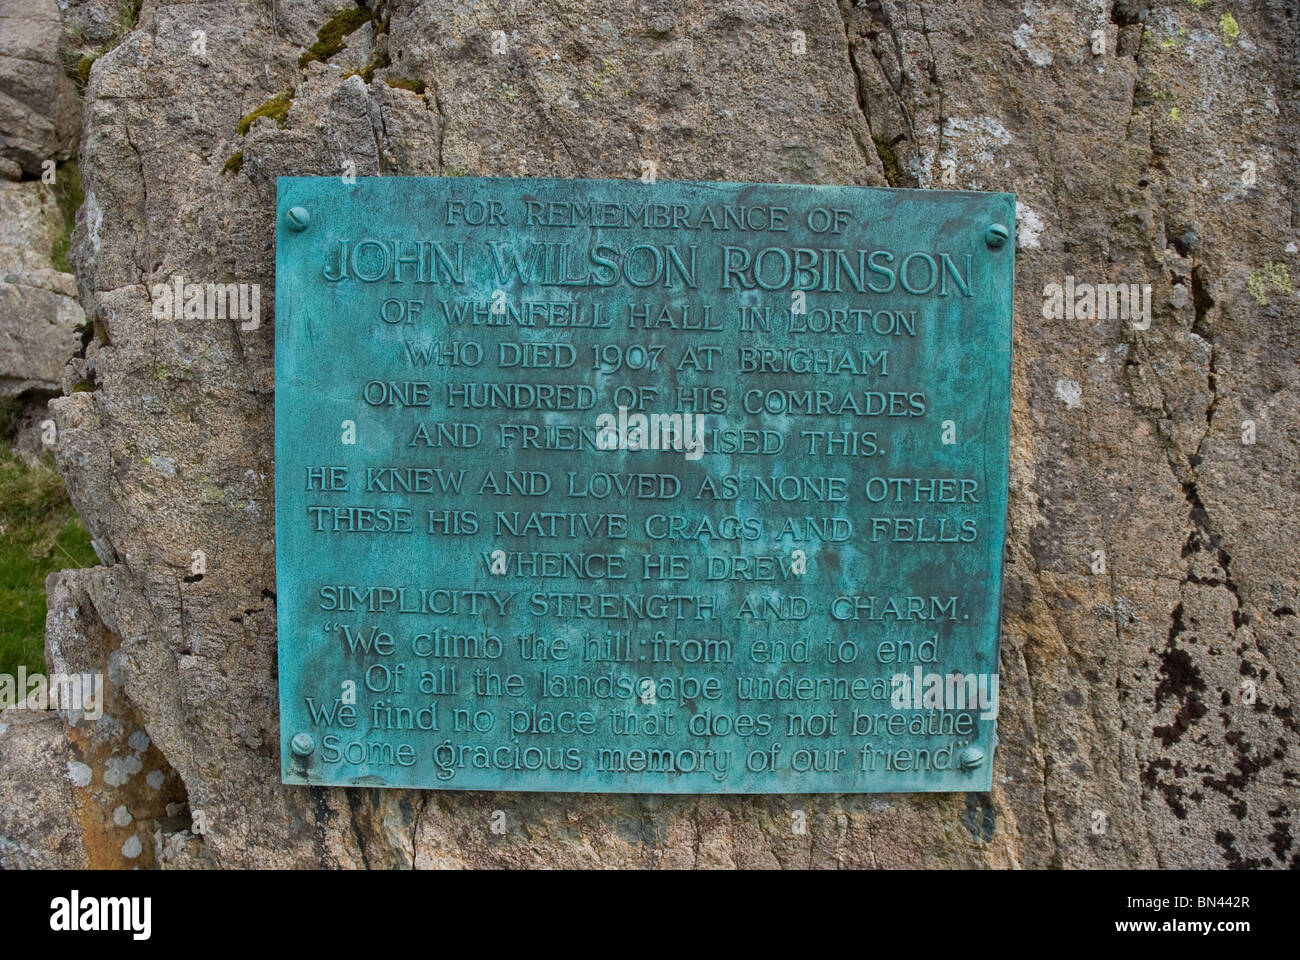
(1228, 844)
(1171, 791)
(1181, 680)
(1281, 839)
(1287, 717)
(1248, 766)
(1016, 596)
(980, 817)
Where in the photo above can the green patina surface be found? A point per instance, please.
(654, 622)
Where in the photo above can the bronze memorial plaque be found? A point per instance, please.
(619, 487)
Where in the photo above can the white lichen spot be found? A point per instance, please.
(1069, 392)
(1179, 296)
(155, 779)
(4, 727)
(79, 773)
(94, 215)
(1029, 227)
(118, 770)
(1023, 38)
(139, 741)
(1292, 248)
(977, 139)
(164, 465)
(108, 729)
(132, 848)
(122, 816)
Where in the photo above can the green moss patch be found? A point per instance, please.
(234, 163)
(277, 108)
(889, 161)
(406, 83)
(84, 65)
(329, 38)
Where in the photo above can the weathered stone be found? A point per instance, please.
(37, 335)
(1151, 561)
(96, 22)
(84, 790)
(39, 312)
(30, 222)
(38, 819)
(39, 111)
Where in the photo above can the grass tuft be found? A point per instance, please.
(69, 194)
(39, 533)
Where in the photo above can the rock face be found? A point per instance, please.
(40, 115)
(39, 312)
(86, 787)
(39, 110)
(1149, 656)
